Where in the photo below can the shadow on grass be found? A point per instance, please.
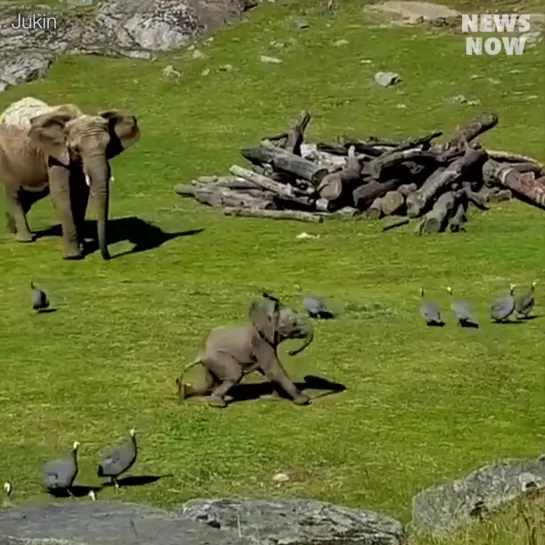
(144, 235)
(46, 311)
(509, 322)
(136, 480)
(78, 491)
(252, 391)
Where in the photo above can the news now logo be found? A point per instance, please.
(497, 23)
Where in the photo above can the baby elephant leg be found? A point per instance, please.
(188, 390)
(275, 372)
(228, 372)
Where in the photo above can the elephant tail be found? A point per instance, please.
(180, 380)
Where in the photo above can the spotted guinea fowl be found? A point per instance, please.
(59, 475)
(8, 489)
(525, 303)
(462, 311)
(40, 300)
(316, 307)
(119, 459)
(430, 311)
(503, 307)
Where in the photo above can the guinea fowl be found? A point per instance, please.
(462, 311)
(525, 303)
(316, 307)
(8, 489)
(59, 475)
(119, 459)
(503, 307)
(430, 312)
(40, 300)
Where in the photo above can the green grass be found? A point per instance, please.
(421, 405)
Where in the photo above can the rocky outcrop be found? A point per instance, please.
(445, 508)
(131, 28)
(211, 522)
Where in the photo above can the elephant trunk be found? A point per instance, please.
(308, 336)
(98, 170)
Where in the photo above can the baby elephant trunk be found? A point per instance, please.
(307, 333)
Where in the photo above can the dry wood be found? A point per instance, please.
(374, 212)
(441, 178)
(389, 159)
(216, 196)
(405, 189)
(526, 167)
(185, 190)
(437, 218)
(530, 191)
(323, 205)
(474, 128)
(392, 202)
(458, 220)
(296, 135)
(365, 194)
(285, 161)
(508, 157)
(273, 214)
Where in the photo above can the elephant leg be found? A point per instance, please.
(275, 373)
(275, 387)
(79, 194)
(59, 186)
(16, 220)
(228, 372)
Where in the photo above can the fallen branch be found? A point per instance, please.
(272, 214)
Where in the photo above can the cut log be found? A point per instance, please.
(365, 194)
(285, 161)
(380, 164)
(525, 167)
(323, 205)
(459, 218)
(273, 214)
(333, 149)
(417, 201)
(405, 189)
(474, 128)
(221, 196)
(530, 191)
(296, 135)
(500, 196)
(392, 202)
(507, 156)
(437, 218)
(374, 212)
(186, 190)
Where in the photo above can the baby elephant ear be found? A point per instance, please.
(264, 316)
(124, 131)
(48, 133)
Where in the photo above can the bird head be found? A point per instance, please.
(449, 289)
(132, 432)
(76, 444)
(7, 488)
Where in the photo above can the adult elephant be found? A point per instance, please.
(62, 151)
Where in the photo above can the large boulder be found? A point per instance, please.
(445, 508)
(210, 522)
(296, 522)
(102, 523)
(113, 28)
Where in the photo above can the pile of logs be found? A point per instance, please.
(373, 178)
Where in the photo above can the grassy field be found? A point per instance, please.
(421, 405)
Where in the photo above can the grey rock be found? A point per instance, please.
(386, 79)
(105, 523)
(118, 28)
(296, 522)
(446, 508)
(302, 23)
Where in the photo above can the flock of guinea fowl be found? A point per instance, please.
(500, 311)
(58, 476)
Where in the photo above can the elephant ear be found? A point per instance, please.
(48, 133)
(124, 131)
(265, 315)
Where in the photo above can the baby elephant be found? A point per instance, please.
(231, 352)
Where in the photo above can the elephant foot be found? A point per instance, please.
(24, 237)
(302, 399)
(10, 224)
(73, 252)
(217, 402)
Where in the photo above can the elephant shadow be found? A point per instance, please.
(254, 390)
(142, 234)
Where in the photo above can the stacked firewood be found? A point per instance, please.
(373, 178)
